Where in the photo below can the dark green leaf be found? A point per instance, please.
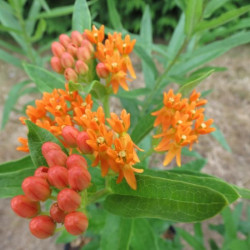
(81, 18)
(157, 197)
(36, 137)
(45, 80)
(114, 16)
(213, 5)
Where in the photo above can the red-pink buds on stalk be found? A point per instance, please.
(76, 223)
(72, 49)
(56, 64)
(67, 60)
(57, 49)
(24, 207)
(70, 75)
(76, 37)
(58, 177)
(81, 67)
(102, 70)
(36, 188)
(49, 146)
(57, 214)
(42, 226)
(75, 160)
(82, 144)
(42, 172)
(68, 200)
(69, 134)
(64, 40)
(84, 54)
(79, 178)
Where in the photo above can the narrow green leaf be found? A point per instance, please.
(114, 16)
(157, 197)
(217, 134)
(81, 18)
(6, 28)
(41, 28)
(7, 57)
(36, 137)
(188, 87)
(45, 80)
(96, 89)
(212, 6)
(56, 12)
(116, 233)
(131, 94)
(11, 47)
(244, 193)
(30, 21)
(193, 14)
(230, 227)
(224, 18)
(12, 98)
(12, 174)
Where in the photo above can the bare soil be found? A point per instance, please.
(229, 106)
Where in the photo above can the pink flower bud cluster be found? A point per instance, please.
(68, 174)
(72, 55)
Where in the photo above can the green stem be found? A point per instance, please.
(162, 77)
(53, 198)
(44, 213)
(106, 105)
(99, 194)
(59, 229)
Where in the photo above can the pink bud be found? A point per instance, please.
(86, 43)
(81, 67)
(48, 146)
(36, 188)
(79, 178)
(84, 54)
(70, 75)
(24, 207)
(57, 214)
(67, 60)
(82, 144)
(64, 40)
(42, 172)
(68, 200)
(102, 70)
(58, 177)
(56, 65)
(72, 49)
(76, 37)
(56, 158)
(42, 226)
(57, 49)
(76, 223)
(69, 134)
(75, 160)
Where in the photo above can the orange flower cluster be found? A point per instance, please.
(54, 111)
(64, 113)
(181, 121)
(74, 56)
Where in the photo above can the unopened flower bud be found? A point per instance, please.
(57, 49)
(75, 160)
(24, 207)
(48, 146)
(82, 144)
(42, 172)
(55, 158)
(79, 178)
(76, 223)
(69, 134)
(86, 43)
(42, 226)
(67, 60)
(76, 37)
(70, 75)
(36, 188)
(57, 214)
(102, 70)
(81, 67)
(64, 40)
(72, 49)
(56, 65)
(58, 177)
(68, 200)
(84, 54)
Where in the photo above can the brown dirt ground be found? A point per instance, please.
(229, 106)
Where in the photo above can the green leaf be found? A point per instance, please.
(205, 181)
(114, 16)
(81, 18)
(65, 237)
(230, 227)
(212, 6)
(243, 192)
(30, 21)
(7, 57)
(12, 174)
(96, 89)
(12, 98)
(193, 14)
(196, 165)
(188, 87)
(36, 137)
(6, 28)
(162, 198)
(45, 80)
(131, 94)
(224, 18)
(217, 134)
(116, 233)
(41, 28)
(56, 12)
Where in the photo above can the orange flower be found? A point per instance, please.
(95, 36)
(125, 46)
(24, 142)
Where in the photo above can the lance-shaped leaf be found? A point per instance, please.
(162, 198)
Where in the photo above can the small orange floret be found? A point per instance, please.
(95, 36)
